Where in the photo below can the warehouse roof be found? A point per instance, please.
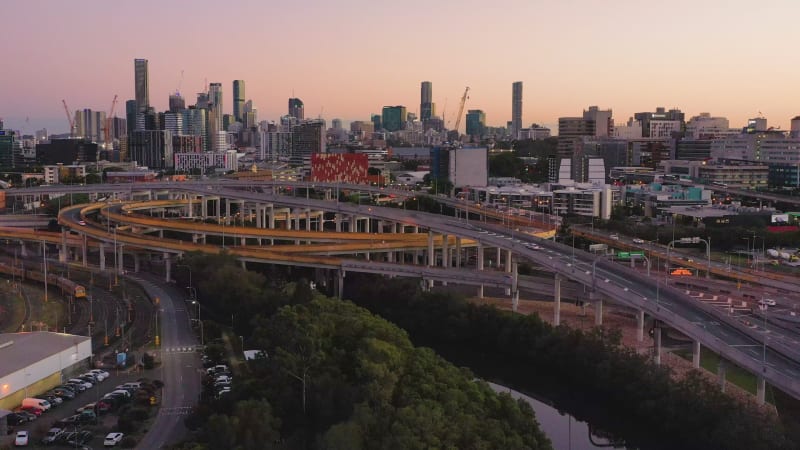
(20, 350)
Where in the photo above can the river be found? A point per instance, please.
(564, 431)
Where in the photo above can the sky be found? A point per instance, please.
(349, 58)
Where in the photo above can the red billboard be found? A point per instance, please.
(340, 168)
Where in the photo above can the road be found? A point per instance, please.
(179, 369)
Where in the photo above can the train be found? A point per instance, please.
(67, 286)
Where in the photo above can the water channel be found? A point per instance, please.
(565, 432)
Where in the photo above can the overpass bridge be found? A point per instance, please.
(770, 354)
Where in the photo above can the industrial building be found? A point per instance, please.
(38, 361)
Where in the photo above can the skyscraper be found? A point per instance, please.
(214, 108)
(142, 80)
(238, 100)
(516, 108)
(476, 122)
(426, 107)
(394, 118)
(296, 108)
(176, 102)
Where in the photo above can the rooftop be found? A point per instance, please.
(20, 350)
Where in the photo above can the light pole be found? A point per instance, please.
(200, 321)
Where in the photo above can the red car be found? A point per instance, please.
(33, 410)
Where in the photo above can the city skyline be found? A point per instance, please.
(567, 61)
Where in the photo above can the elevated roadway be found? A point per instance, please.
(773, 357)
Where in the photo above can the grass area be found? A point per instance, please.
(734, 374)
(51, 314)
(12, 308)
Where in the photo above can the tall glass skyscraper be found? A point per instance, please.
(296, 108)
(238, 100)
(426, 108)
(142, 80)
(516, 109)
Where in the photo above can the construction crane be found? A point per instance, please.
(109, 120)
(70, 119)
(461, 108)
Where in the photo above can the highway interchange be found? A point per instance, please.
(774, 356)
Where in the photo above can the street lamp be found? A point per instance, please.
(200, 321)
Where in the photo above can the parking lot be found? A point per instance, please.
(80, 429)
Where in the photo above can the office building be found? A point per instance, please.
(90, 125)
(238, 100)
(308, 137)
(296, 108)
(476, 122)
(704, 126)
(66, 151)
(660, 114)
(142, 81)
(426, 107)
(152, 149)
(516, 109)
(249, 115)
(7, 144)
(394, 118)
(130, 116)
(377, 121)
(176, 102)
(757, 125)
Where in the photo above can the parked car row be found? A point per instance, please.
(218, 378)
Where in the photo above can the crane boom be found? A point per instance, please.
(461, 107)
(70, 119)
(107, 131)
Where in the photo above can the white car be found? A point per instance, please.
(112, 439)
(767, 302)
(638, 241)
(85, 384)
(22, 439)
(99, 374)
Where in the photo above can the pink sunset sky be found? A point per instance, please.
(347, 59)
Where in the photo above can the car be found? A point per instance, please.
(82, 223)
(77, 386)
(89, 378)
(112, 439)
(767, 302)
(87, 416)
(70, 420)
(101, 373)
(85, 383)
(79, 438)
(14, 419)
(52, 435)
(88, 406)
(53, 399)
(32, 410)
(615, 237)
(22, 439)
(29, 417)
(638, 241)
(64, 393)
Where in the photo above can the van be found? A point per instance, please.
(44, 405)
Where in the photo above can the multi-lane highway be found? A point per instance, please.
(776, 358)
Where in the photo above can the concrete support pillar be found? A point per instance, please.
(189, 207)
(353, 224)
(337, 220)
(508, 266)
(308, 220)
(445, 254)
(218, 201)
(297, 220)
(271, 218)
(102, 256)
(244, 264)
(761, 390)
(498, 258)
(380, 227)
(259, 216)
(696, 354)
(340, 283)
(203, 207)
(288, 219)
(640, 326)
(458, 251)
(84, 251)
(121, 258)
(557, 300)
(431, 256)
(136, 262)
(480, 267)
(657, 345)
(167, 267)
(390, 257)
(23, 251)
(62, 256)
(367, 256)
(597, 301)
(721, 369)
(514, 288)
(243, 241)
(161, 234)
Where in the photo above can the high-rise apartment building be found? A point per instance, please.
(176, 102)
(90, 125)
(238, 100)
(296, 108)
(142, 81)
(308, 138)
(476, 122)
(426, 107)
(152, 148)
(516, 108)
(394, 118)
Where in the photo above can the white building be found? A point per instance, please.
(469, 167)
(55, 174)
(35, 362)
(704, 126)
(664, 129)
(632, 130)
